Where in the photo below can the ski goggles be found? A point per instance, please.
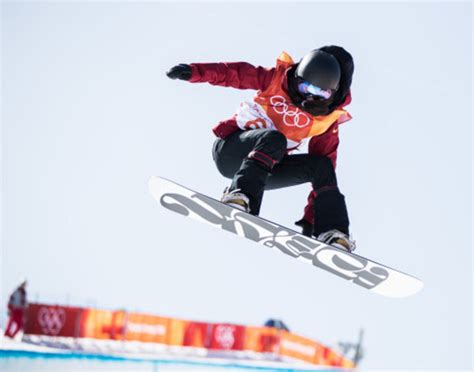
(308, 89)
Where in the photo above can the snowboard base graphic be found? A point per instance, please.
(359, 270)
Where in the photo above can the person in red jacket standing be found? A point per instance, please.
(294, 102)
(17, 305)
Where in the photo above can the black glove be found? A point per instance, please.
(181, 72)
(307, 228)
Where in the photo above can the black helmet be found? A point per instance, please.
(321, 69)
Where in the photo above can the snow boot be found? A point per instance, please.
(337, 239)
(236, 199)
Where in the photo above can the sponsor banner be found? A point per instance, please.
(103, 324)
(53, 320)
(302, 348)
(146, 328)
(227, 337)
(64, 321)
(298, 347)
(262, 339)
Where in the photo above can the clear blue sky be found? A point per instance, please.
(89, 115)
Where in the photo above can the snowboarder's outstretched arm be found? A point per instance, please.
(239, 75)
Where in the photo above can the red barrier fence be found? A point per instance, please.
(65, 321)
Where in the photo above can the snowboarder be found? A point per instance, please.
(294, 102)
(17, 305)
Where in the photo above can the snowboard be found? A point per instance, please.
(365, 273)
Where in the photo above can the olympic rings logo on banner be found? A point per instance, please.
(51, 320)
(290, 118)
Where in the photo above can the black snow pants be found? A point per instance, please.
(256, 160)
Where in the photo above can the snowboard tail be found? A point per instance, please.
(359, 270)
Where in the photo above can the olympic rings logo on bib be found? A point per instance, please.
(291, 118)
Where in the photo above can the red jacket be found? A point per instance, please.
(242, 75)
